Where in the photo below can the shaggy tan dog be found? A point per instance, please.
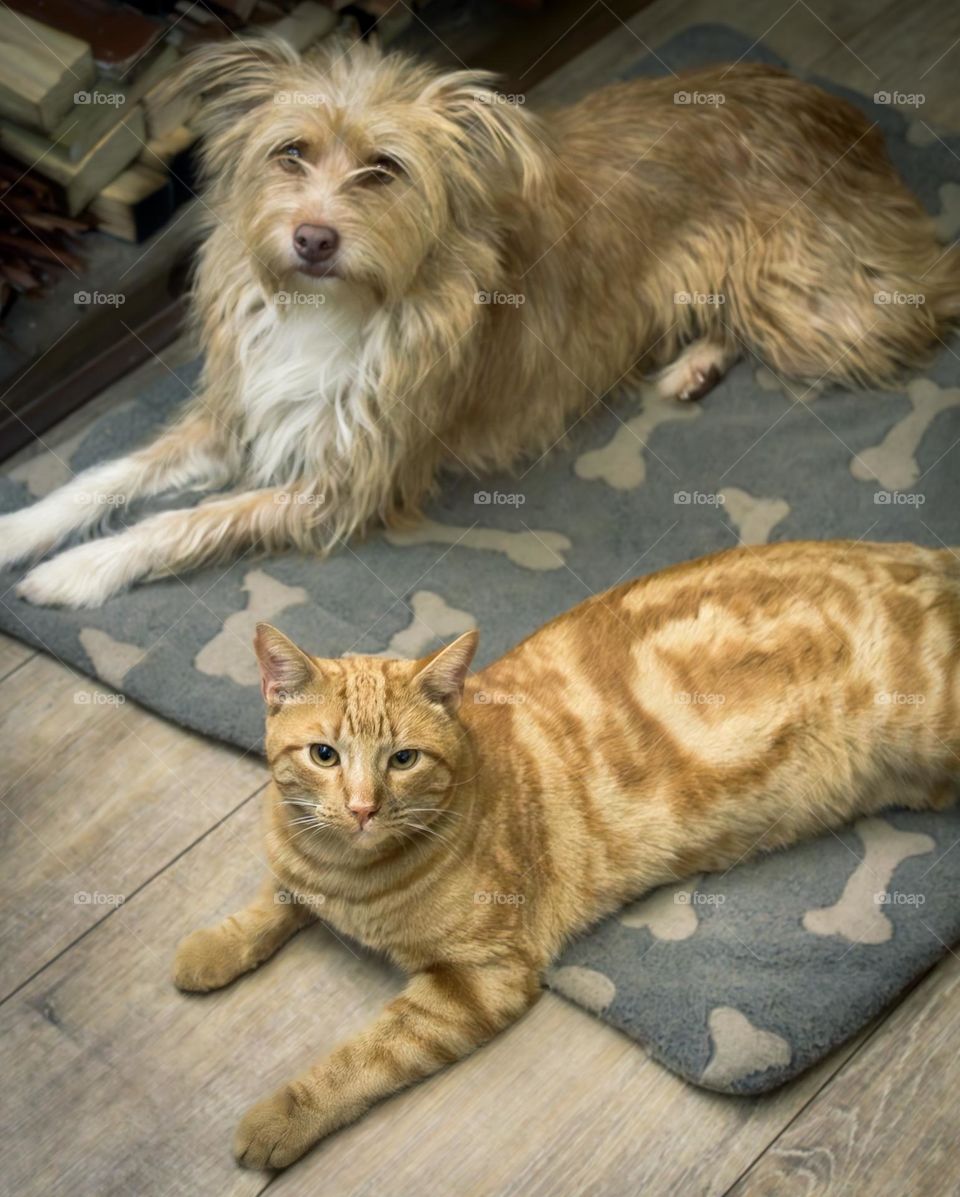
(404, 271)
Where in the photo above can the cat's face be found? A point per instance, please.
(364, 751)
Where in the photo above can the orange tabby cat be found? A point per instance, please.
(469, 826)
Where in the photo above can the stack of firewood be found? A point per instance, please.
(89, 138)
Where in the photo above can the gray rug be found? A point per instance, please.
(743, 980)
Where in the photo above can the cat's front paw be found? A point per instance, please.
(206, 960)
(277, 1130)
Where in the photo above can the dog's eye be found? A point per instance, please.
(406, 758)
(382, 169)
(324, 755)
(290, 155)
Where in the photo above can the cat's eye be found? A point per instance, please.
(383, 169)
(324, 756)
(404, 758)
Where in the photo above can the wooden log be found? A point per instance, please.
(40, 71)
(84, 179)
(137, 203)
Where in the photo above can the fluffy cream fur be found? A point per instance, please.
(331, 402)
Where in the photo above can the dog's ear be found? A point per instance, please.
(227, 79)
(499, 131)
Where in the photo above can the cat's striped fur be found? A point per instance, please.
(675, 724)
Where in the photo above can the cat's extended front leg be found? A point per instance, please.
(443, 1014)
(170, 543)
(214, 956)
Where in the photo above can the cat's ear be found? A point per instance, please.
(284, 668)
(441, 676)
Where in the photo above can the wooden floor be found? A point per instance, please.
(113, 1083)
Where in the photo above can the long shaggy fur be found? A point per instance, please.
(334, 401)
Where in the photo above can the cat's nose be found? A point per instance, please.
(363, 812)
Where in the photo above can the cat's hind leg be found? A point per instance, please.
(214, 956)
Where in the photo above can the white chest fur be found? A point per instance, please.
(300, 386)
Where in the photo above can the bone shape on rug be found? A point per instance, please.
(531, 549)
(893, 462)
(857, 915)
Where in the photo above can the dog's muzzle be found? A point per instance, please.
(315, 245)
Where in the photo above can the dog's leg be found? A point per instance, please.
(194, 450)
(171, 542)
(696, 371)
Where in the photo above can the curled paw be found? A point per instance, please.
(207, 959)
(276, 1131)
(699, 383)
(696, 371)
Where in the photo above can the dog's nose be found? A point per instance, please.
(363, 814)
(315, 242)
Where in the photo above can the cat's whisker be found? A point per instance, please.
(314, 827)
(465, 781)
(432, 831)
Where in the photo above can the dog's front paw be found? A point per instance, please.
(85, 576)
(277, 1130)
(21, 538)
(59, 583)
(207, 960)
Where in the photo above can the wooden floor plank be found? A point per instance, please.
(918, 54)
(117, 1084)
(12, 655)
(799, 35)
(560, 1104)
(883, 47)
(888, 1124)
(96, 795)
